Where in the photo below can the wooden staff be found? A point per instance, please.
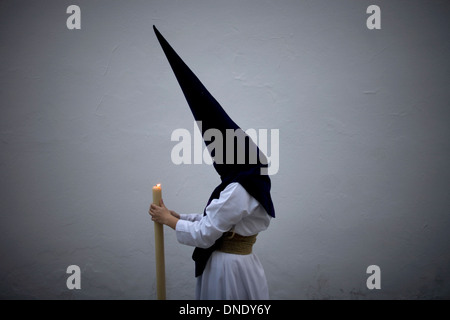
(159, 250)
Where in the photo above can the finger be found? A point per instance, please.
(154, 206)
(162, 203)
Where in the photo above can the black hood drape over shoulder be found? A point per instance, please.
(231, 165)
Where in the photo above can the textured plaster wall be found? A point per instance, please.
(87, 115)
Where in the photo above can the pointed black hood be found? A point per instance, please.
(206, 109)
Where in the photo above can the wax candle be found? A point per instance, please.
(159, 249)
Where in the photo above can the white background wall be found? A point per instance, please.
(87, 115)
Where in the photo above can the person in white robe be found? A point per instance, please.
(239, 207)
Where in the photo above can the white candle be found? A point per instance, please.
(159, 249)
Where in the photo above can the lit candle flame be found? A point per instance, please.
(158, 185)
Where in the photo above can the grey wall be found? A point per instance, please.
(87, 115)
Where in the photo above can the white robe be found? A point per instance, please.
(227, 276)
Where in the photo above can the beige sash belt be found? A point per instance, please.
(235, 243)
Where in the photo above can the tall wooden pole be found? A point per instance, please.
(159, 250)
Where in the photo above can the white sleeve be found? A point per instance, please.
(234, 204)
(190, 217)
